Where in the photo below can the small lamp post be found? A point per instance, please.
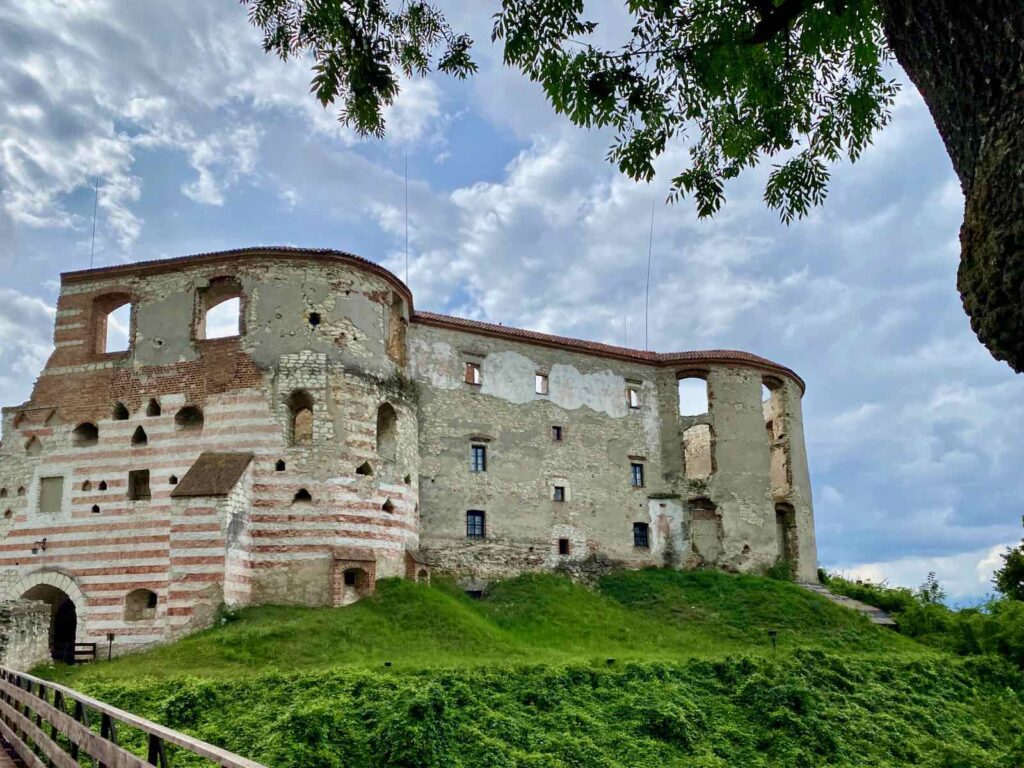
(110, 645)
(774, 635)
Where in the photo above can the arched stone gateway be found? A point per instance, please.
(67, 607)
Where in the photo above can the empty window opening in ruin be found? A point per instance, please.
(698, 452)
(633, 395)
(189, 417)
(473, 374)
(387, 432)
(85, 435)
(140, 605)
(478, 458)
(314, 319)
(364, 469)
(388, 506)
(693, 396)
(302, 496)
(636, 474)
(558, 493)
(563, 546)
(557, 433)
(119, 412)
(95, 509)
(138, 485)
(641, 536)
(785, 532)
(3, 493)
(153, 407)
(172, 480)
(476, 524)
(103, 485)
(112, 322)
(139, 437)
(540, 381)
(8, 513)
(279, 466)
(51, 494)
(220, 309)
(87, 486)
(34, 446)
(300, 409)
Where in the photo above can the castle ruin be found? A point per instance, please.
(331, 436)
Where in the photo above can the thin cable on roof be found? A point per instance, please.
(647, 296)
(95, 206)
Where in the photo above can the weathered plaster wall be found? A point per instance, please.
(721, 512)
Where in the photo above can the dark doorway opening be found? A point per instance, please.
(63, 620)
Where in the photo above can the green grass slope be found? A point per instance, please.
(655, 669)
(638, 615)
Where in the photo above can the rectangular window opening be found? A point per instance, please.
(556, 434)
(641, 536)
(138, 485)
(558, 493)
(478, 458)
(473, 374)
(636, 474)
(563, 546)
(541, 382)
(633, 396)
(475, 524)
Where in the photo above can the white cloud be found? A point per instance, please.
(966, 576)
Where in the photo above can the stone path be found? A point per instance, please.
(877, 615)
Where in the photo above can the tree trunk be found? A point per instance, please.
(966, 57)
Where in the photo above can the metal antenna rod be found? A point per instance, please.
(95, 205)
(647, 297)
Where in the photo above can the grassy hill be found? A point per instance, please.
(522, 679)
(637, 615)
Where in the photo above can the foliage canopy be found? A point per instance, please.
(800, 83)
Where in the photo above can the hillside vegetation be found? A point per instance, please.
(655, 669)
(642, 615)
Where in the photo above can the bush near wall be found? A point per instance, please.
(808, 709)
(997, 627)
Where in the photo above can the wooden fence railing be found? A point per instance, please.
(51, 726)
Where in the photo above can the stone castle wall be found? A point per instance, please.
(359, 421)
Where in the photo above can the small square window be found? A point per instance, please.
(478, 458)
(138, 485)
(636, 474)
(557, 434)
(475, 524)
(633, 396)
(350, 577)
(563, 546)
(541, 383)
(473, 374)
(558, 493)
(641, 536)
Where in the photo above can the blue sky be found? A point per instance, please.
(203, 142)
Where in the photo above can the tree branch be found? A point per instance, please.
(776, 21)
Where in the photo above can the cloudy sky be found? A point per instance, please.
(201, 142)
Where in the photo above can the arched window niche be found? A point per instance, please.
(300, 422)
(387, 432)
